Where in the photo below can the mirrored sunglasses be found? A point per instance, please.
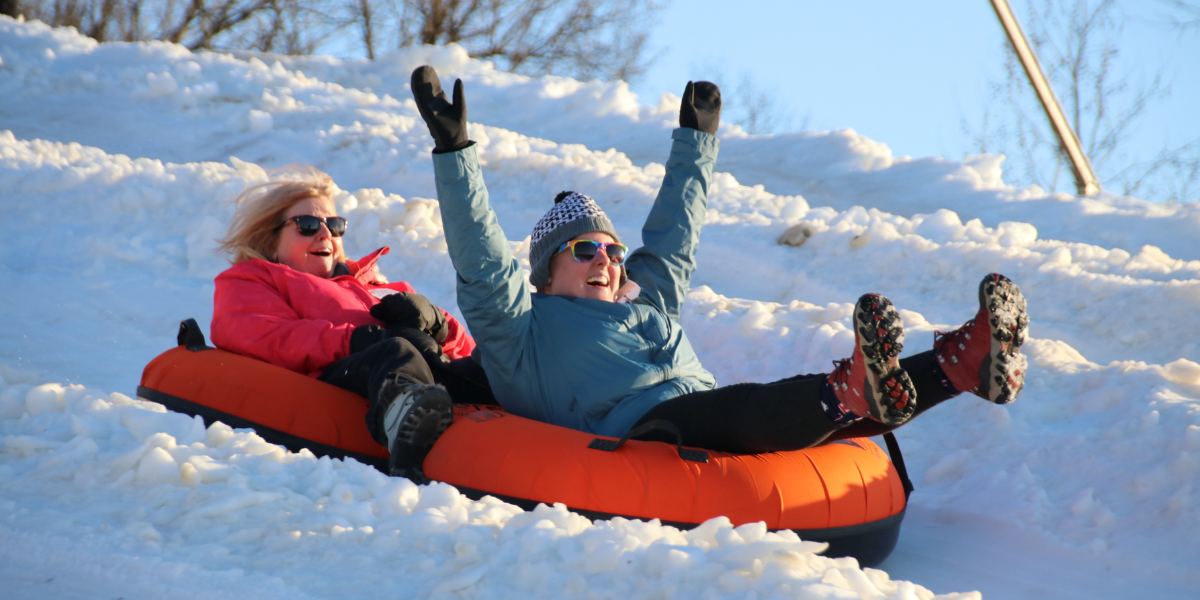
(309, 225)
(585, 250)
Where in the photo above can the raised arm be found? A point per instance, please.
(492, 292)
(664, 264)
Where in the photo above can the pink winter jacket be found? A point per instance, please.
(302, 322)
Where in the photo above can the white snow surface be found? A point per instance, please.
(117, 164)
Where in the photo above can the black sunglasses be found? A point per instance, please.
(309, 225)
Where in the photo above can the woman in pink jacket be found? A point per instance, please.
(292, 299)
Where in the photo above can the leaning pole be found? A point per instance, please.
(1085, 177)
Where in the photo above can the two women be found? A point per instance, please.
(565, 346)
(292, 299)
(561, 348)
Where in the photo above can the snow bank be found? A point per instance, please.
(146, 481)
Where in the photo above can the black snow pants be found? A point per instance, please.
(752, 418)
(365, 372)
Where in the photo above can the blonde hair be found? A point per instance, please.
(254, 229)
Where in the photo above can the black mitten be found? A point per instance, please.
(701, 107)
(411, 310)
(430, 350)
(365, 336)
(447, 122)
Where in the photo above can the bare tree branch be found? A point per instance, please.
(175, 33)
(366, 14)
(240, 24)
(107, 8)
(581, 38)
(1077, 42)
(1183, 15)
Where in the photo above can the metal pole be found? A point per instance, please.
(1085, 178)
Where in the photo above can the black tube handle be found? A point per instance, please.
(190, 336)
(699, 456)
(898, 460)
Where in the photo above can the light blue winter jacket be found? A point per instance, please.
(586, 364)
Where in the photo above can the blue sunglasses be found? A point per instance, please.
(586, 250)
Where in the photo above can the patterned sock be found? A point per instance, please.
(942, 380)
(834, 409)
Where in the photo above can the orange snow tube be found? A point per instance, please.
(846, 492)
(284, 407)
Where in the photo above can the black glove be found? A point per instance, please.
(430, 350)
(701, 107)
(411, 310)
(447, 122)
(365, 336)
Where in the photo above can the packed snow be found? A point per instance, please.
(117, 164)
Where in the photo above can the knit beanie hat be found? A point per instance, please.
(572, 215)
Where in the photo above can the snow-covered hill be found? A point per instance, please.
(117, 162)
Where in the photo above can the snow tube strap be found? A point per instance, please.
(657, 424)
(898, 461)
(191, 337)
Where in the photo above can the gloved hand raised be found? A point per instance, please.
(701, 107)
(411, 310)
(447, 122)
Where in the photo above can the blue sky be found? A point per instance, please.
(903, 73)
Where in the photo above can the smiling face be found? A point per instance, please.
(597, 279)
(317, 254)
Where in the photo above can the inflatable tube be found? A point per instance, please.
(846, 493)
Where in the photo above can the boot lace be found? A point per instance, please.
(949, 343)
(840, 374)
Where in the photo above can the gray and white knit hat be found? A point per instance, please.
(572, 215)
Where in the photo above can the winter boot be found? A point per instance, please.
(413, 422)
(871, 383)
(984, 355)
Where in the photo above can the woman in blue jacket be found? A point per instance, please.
(563, 348)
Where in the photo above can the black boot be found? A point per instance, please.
(416, 417)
